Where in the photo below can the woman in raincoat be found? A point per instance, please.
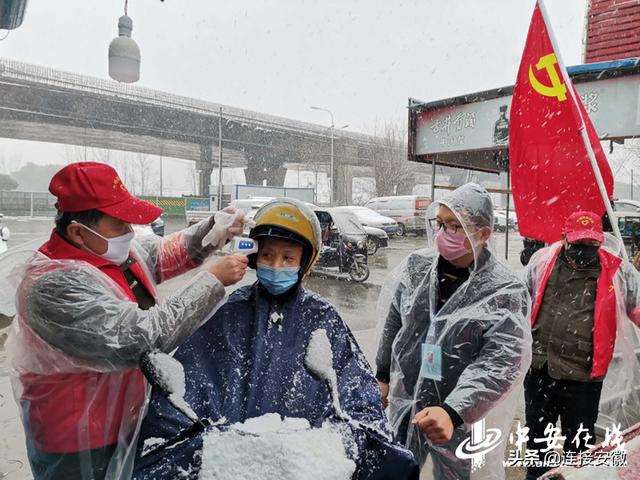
(249, 359)
(455, 341)
(87, 309)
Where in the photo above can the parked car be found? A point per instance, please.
(154, 228)
(408, 210)
(627, 213)
(249, 204)
(196, 216)
(624, 207)
(4, 236)
(158, 226)
(371, 218)
(500, 221)
(376, 238)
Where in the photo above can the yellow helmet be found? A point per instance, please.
(289, 219)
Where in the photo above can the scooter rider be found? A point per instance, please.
(248, 360)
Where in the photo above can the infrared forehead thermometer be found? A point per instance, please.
(242, 246)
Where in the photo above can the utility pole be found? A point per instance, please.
(161, 152)
(331, 197)
(331, 130)
(220, 160)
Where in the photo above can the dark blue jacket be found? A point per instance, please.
(248, 360)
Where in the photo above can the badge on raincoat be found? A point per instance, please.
(431, 362)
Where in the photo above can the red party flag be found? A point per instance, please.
(551, 174)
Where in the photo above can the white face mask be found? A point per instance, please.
(117, 247)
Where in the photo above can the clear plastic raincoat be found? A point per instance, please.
(76, 341)
(480, 338)
(616, 340)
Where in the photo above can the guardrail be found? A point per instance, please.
(42, 204)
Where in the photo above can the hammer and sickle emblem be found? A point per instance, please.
(557, 88)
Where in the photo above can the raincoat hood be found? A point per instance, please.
(472, 205)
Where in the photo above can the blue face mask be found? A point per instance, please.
(277, 280)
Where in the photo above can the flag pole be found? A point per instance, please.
(583, 133)
(603, 191)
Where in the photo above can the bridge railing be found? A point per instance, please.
(38, 74)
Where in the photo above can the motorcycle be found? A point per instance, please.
(182, 456)
(344, 244)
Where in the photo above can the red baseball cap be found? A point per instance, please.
(93, 185)
(583, 225)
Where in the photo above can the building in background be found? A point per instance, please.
(612, 30)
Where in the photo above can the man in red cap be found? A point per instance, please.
(578, 289)
(87, 310)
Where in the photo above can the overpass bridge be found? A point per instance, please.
(43, 104)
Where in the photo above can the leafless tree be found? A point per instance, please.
(316, 159)
(393, 172)
(74, 153)
(79, 153)
(364, 192)
(142, 166)
(101, 155)
(10, 163)
(191, 176)
(125, 170)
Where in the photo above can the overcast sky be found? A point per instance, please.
(361, 59)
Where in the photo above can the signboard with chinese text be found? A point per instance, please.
(472, 131)
(612, 104)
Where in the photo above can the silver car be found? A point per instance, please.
(371, 218)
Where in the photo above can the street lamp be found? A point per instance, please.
(124, 53)
(331, 128)
(12, 14)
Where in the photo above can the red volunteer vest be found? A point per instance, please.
(604, 321)
(79, 411)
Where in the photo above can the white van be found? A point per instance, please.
(408, 210)
(249, 204)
